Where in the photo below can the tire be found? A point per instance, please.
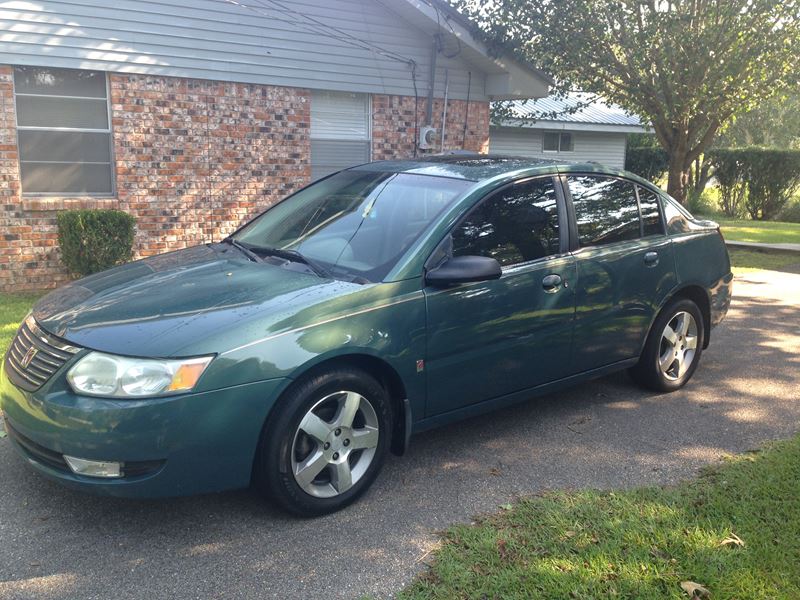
(655, 370)
(309, 461)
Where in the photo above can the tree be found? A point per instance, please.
(774, 123)
(686, 66)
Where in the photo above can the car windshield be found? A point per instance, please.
(354, 224)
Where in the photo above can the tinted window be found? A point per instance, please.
(676, 220)
(651, 216)
(516, 225)
(605, 209)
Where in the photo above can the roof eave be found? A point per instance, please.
(506, 78)
(572, 126)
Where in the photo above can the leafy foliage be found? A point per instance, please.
(756, 180)
(94, 240)
(791, 212)
(647, 161)
(774, 123)
(686, 67)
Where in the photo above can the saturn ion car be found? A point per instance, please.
(379, 302)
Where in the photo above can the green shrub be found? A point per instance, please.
(791, 212)
(757, 181)
(94, 240)
(729, 172)
(705, 202)
(647, 161)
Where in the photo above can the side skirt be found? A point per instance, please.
(518, 397)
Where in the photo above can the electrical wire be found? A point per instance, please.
(466, 112)
(316, 26)
(416, 106)
(449, 25)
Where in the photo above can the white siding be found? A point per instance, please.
(605, 148)
(297, 43)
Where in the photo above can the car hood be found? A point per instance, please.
(201, 300)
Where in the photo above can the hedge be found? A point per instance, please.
(647, 161)
(757, 181)
(94, 240)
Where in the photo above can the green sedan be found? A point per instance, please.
(376, 303)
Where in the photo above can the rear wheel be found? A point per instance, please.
(325, 443)
(673, 348)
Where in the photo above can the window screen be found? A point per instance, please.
(516, 225)
(340, 131)
(651, 216)
(605, 209)
(64, 132)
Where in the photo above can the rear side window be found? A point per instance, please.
(605, 208)
(651, 216)
(676, 220)
(516, 225)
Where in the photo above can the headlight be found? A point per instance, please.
(98, 374)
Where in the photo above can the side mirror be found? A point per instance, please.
(464, 269)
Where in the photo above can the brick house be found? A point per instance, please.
(195, 115)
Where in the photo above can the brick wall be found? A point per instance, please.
(194, 159)
(28, 241)
(393, 126)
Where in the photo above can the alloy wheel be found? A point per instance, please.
(678, 346)
(334, 444)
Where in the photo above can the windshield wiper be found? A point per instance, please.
(296, 256)
(244, 249)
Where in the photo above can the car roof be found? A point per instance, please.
(480, 167)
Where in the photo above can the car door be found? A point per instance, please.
(491, 338)
(625, 268)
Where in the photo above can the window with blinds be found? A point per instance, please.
(64, 132)
(340, 131)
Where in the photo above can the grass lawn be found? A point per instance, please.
(13, 308)
(746, 261)
(735, 531)
(766, 232)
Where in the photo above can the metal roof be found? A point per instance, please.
(557, 110)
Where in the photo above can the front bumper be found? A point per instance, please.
(195, 443)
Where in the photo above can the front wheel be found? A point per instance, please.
(325, 443)
(673, 348)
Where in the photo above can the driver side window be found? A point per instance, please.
(516, 225)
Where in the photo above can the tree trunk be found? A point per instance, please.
(678, 177)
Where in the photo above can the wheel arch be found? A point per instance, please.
(384, 372)
(700, 296)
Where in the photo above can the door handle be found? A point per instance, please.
(651, 259)
(551, 283)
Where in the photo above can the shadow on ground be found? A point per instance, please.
(55, 543)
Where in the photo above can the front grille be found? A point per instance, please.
(35, 355)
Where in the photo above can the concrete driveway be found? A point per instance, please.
(55, 543)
